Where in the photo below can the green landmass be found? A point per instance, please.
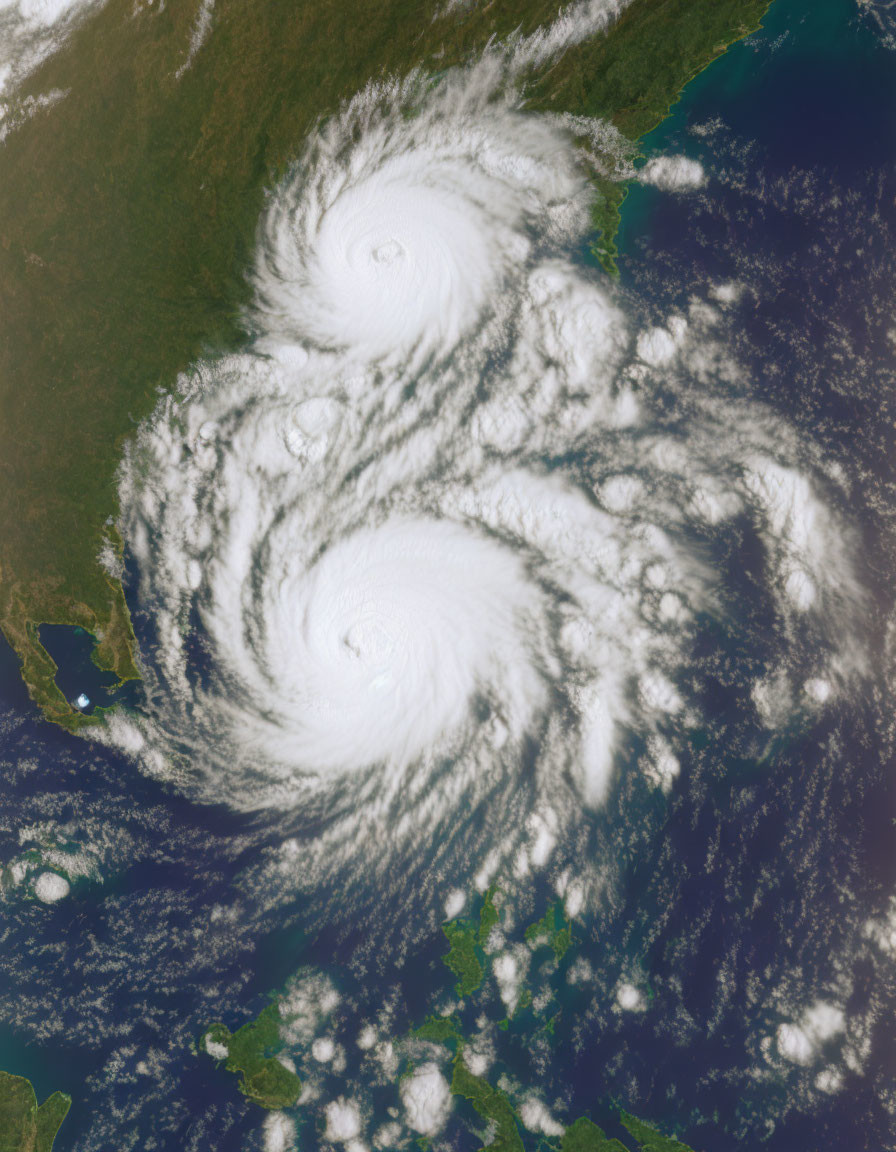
(635, 74)
(23, 1126)
(488, 916)
(251, 1052)
(492, 1106)
(552, 931)
(463, 958)
(439, 1030)
(466, 958)
(128, 211)
(649, 1139)
(606, 216)
(584, 1136)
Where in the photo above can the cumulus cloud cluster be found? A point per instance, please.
(800, 1042)
(451, 531)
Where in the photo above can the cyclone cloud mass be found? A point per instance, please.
(461, 527)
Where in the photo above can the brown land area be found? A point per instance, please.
(128, 209)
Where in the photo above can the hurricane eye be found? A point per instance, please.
(389, 253)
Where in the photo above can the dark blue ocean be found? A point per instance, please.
(745, 888)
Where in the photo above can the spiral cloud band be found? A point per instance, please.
(389, 254)
(454, 522)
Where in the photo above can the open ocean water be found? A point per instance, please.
(738, 901)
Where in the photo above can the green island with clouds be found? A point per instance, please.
(130, 209)
(493, 1105)
(253, 1049)
(251, 1052)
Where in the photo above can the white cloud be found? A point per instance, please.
(308, 1000)
(387, 1056)
(50, 887)
(215, 1049)
(630, 998)
(882, 930)
(664, 767)
(673, 173)
(478, 1059)
(201, 29)
(279, 1133)
(427, 1099)
(323, 1049)
(388, 1136)
(32, 30)
(659, 346)
(537, 1118)
(728, 292)
(829, 1080)
(455, 903)
(818, 690)
(510, 969)
(343, 1121)
(366, 1037)
(800, 1042)
(542, 826)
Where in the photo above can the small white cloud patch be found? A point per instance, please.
(366, 1037)
(49, 887)
(215, 1049)
(630, 998)
(279, 1133)
(323, 1049)
(343, 1121)
(199, 35)
(673, 173)
(800, 1042)
(536, 1117)
(455, 903)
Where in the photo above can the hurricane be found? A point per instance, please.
(464, 527)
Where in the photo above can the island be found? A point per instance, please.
(254, 1050)
(466, 957)
(492, 1105)
(251, 1052)
(25, 1127)
(553, 930)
